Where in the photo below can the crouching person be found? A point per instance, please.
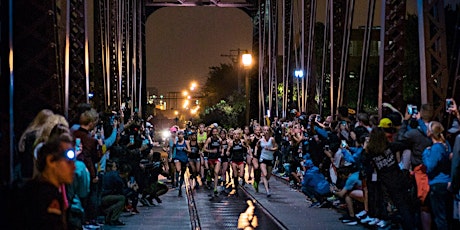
(314, 184)
(113, 200)
(350, 192)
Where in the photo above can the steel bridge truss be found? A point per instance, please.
(119, 53)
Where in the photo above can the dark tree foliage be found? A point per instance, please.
(222, 103)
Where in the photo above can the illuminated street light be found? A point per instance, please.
(246, 59)
(184, 93)
(298, 73)
(193, 86)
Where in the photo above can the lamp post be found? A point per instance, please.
(299, 74)
(247, 61)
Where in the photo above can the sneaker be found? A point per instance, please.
(350, 220)
(373, 222)
(361, 214)
(134, 211)
(382, 224)
(158, 200)
(368, 220)
(144, 202)
(332, 198)
(315, 205)
(256, 186)
(269, 194)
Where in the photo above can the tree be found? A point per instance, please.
(222, 102)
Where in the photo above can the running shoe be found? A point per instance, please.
(382, 224)
(368, 220)
(315, 205)
(332, 198)
(256, 186)
(373, 222)
(361, 214)
(348, 220)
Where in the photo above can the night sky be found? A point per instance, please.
(183, 42)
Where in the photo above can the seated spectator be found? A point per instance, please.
(113, 200)
(314, 184)
(155, 188)
(351, 191)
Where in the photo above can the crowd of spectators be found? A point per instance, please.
(116, 166)
(401, 169)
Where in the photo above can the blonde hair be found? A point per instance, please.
(89, 116)
(36, 125)
(52, 121)
(435, 128)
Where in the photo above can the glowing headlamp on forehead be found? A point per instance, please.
(70, 154)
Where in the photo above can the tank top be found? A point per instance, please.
(201, 138)
(215, 144)
(237, 152)
(194, 154)
(266, 154)
(181, 154)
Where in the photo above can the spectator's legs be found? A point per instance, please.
(440, 199)
(114, 205)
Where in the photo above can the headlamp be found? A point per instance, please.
(70, 154)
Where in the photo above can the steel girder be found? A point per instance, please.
(337, 21)
(435, 79)
(119, 48)
(77, 92)
(38, 82)
(267, 53)
(392, 54)
(309, 56)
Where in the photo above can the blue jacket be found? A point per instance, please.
(438, 166)
(313, 178)
(354, 156)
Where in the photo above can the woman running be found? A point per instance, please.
(237, 150)
(181, 158)
(247, 138)
(194, 159)
(212, 146)
(225, 158)
(201, 139)
(255, 156)
(267, 146)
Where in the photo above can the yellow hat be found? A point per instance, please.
(385, 123)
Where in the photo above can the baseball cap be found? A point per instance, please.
(173, 129)
(386, 123)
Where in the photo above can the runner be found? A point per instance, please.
(212, 146)
(255, 156)
(201, 139)
(194, 159)
(267, 146)
(247, 138)
(171, 150)
(237, 149)
(181, 158)
(224, 156)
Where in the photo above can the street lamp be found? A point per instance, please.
(247, 61)
(298, 73)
